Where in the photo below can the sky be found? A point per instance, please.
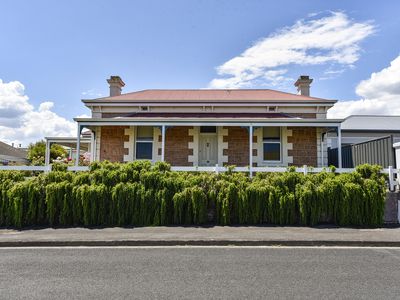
(55, 53)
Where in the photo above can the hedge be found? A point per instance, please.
(141, 194)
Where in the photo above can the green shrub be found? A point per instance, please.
(125, 207)
(11, 175)
(374, 203)
(253, 207)
(59, 167)
(81, 179)
(369, 171)
(190, 206)
(18, 196)
(287, 208)
(55, 176)
(139, 194)
(58, 202)
(95, 204)
(24, 204)
(310, 207)
(6, 213)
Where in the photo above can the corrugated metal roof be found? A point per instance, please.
(372, 123)
(210, 95)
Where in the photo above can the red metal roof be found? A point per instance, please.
(207, 115)
(210, 95)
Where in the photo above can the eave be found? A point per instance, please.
(208, 121)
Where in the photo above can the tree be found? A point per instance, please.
(36, 152)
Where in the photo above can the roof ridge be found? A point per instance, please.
(226, 90)
(211, 95)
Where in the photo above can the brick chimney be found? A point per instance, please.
(116, 85)
(303, 85)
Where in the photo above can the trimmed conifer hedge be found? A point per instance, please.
(139, 194)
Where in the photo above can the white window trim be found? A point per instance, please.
(280, 148)
(144, 141)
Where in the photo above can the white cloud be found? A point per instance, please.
(13, 103)
(83, 116)
(332, 39)
(91, 93)
(21, 123)
(380, 94)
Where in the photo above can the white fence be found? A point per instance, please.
(394, 174)
(26, 168)
(218, 169)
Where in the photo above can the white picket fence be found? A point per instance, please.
(394, 174)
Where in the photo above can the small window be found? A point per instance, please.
(144, 108)
(272, 143)
(144, 142)
(271, 108)
(208, 129)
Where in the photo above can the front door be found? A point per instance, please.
(208, 154)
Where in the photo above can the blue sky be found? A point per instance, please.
(63, 51)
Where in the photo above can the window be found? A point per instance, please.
(144, 142)
(272, 143)
(208, 129)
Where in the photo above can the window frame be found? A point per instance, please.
(206, 130)
(139, 140)
(269, 142)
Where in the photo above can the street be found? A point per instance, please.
(199, 273)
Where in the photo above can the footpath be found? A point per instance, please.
(201, 236)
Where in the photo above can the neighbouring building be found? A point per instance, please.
(12, 155)
(208, 127)
(366, 139)
(362, 128)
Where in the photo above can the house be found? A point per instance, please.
(208, 127)
(12, 155)
(362, 128)
(366, 139)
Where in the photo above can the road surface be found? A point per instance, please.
(199, 273)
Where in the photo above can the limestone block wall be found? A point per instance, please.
(193, 145)
(97, 131)
(157, 144)
(130, 143)
(222, 146)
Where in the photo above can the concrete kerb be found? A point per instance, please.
(170, 243)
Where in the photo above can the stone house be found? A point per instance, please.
(207, 127)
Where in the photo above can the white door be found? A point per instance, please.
(208, 154)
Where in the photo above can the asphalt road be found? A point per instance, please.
(199, 273)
